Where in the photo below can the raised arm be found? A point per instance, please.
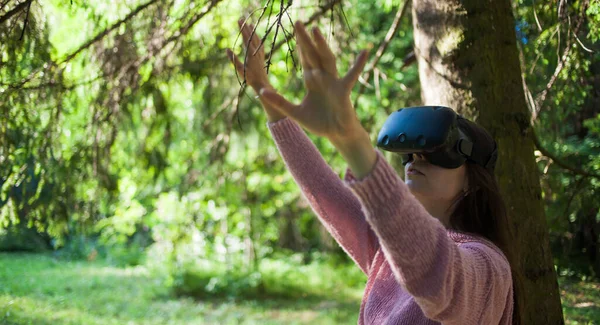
(334, 203)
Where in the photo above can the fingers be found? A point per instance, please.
(251, 40)
(308, 53)
(239, 66)
(354, 73)
(280, 103)
(325, 54)
(245, 32)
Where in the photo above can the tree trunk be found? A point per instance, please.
(468, 60)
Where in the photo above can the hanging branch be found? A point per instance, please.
(288, 35)
(101, 35)
(286, 39)
(311, 19)
(382, 47)
(558, 160)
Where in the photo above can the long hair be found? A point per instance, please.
(482, 211)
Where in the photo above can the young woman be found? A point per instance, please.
(433, 246)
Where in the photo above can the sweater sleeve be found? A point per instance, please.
(467, 283)
(334, 203)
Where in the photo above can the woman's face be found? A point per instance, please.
(432, 184)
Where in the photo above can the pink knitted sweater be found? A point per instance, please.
(418, 271)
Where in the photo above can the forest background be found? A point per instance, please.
(138, 174)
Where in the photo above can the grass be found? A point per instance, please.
(581, 302)
(40, 290)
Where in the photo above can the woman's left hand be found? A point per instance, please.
(326, 110)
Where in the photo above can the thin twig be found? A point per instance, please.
(218, 112)
(54, 84)
(26, 21)
(346, 18)
(541, 98)
(252, 35)
(382, 47)
(311, 19)
(537, 21)
(581, 43)
(289, 36)
(281, 11)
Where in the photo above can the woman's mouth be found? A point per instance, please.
(413, 171)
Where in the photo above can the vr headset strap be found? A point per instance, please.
(466, 147)
(477, 157)
(491, 163)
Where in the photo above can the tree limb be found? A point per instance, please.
(185, 29)
(558, 160)
(87, 44)
(15, 10)
(108, 30)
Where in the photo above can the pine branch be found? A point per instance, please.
(87, 44)
(102, 34)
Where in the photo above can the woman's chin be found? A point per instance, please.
(415, 186)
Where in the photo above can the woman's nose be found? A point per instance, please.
(418, 156)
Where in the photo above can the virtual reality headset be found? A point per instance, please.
(434, 132)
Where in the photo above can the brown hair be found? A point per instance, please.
(482, 210)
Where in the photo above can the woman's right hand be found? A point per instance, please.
(254, 73)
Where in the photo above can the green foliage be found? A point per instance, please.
(116, 142)
(282, 276)
(561, 74)
(21, 238)
(593, 12)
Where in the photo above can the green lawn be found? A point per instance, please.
(38, 289)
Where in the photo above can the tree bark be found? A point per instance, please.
(468, 60)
